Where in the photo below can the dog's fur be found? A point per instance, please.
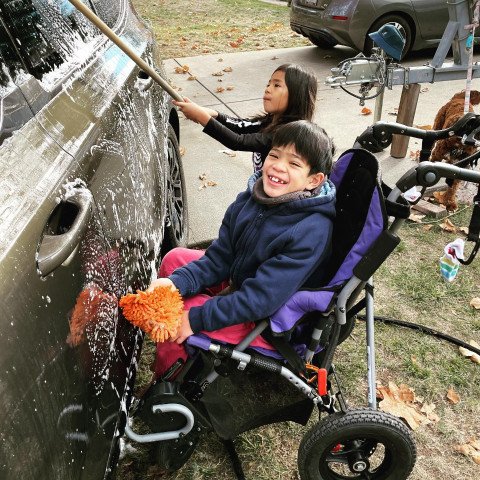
(451, 149)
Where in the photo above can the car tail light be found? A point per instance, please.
(339, 17)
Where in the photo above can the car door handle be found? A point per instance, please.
(55, 249)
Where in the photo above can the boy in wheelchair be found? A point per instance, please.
(273, 238)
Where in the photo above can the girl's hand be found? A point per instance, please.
(195, 112)
(161, 282)
(184, 330)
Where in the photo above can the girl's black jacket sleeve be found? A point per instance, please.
(238, 134)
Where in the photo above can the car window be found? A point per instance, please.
(109, 10)
(14, 110)
(46, 33)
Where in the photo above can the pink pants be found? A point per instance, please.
(169, 352)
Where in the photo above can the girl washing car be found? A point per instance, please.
(290, 95)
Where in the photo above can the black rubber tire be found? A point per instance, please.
(176, 230)
(401, 22)
(322, 43)
(327, 448)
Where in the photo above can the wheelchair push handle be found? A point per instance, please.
(379, 135)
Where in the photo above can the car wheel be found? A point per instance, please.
(176, 230)
(357, 444)
(322, 42)
(401, 23)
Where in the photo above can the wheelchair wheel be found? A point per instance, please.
(358, 444)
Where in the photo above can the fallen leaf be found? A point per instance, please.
(217, 74)
(414, 217)
(400, 401)
(475, 303)
(452, 396)
(230, 88)
(192, 77)
(211, 183)
(470, 449)
(220, 60)
(424, 89)
(427, 228)
(233, 44)
(228, 69)
(448, 226)
(220, 89)
(182, 151)
(415, 154)
(464, 230)
(365, 111)
(274, 58)
(182, 70)
(474, 357)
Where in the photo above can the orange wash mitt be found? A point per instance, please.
(157, 312)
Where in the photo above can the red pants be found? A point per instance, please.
(169, 352)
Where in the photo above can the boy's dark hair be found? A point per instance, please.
(302, 88)
(310, 141)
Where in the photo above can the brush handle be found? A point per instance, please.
(125, 48)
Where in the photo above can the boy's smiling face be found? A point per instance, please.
(285, 171)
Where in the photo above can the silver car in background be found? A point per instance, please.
(348, 22)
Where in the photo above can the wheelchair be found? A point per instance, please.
(230, 389)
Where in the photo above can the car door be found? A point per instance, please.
(66, 357)
(432, 18)
(114, 122)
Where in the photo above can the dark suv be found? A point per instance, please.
(91, 193)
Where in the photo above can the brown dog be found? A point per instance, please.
(451, 149)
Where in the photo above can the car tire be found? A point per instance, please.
(176, 229)
(322, 42)
(401, 23)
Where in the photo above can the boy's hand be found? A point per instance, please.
(195, 112)
(161, 282)
(184, 330)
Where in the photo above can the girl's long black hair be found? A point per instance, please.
(302, 94)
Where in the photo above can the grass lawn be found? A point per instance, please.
(408, 287)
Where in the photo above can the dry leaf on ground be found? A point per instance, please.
(401, 401)
(230, 88)
(182, 70)
(452, 396)
(192, 77)
(475, 303)
(474, 357)
(182, 151)
(416, 218)
(470, 449)
(228, 69)
(365, 111)
(217, 74)
(205, 182)
(414, 154)
(220, 89)
(447, 225)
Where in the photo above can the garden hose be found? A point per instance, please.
(423, 329)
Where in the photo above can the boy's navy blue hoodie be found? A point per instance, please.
(267, 253)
